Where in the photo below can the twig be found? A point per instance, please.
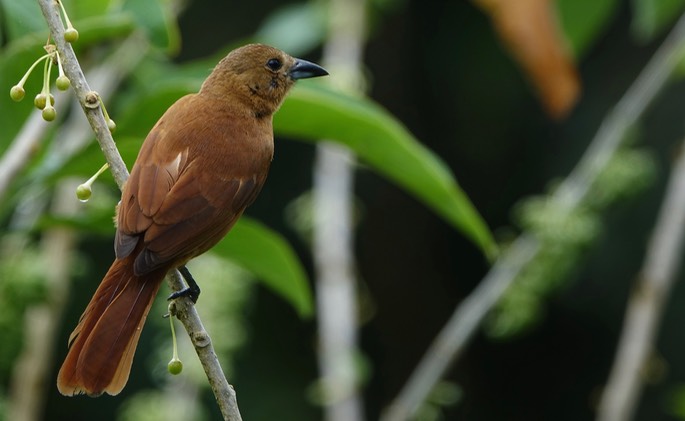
(187, 314)
(21, 150)
(647, 302)
(86, 97)
(455, 335)
(451, 342)
(333, 185)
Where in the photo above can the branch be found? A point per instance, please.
(456, 334)
(187, 314)
(185, 311)
(332, 192)
(647, 302)
(21, 150)
(88, 99)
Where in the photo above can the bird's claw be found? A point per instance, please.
(190, 292)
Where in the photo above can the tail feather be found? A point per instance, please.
(104, 342)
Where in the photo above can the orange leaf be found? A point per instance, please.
(530, 31)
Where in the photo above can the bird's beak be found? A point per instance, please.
(303, 69)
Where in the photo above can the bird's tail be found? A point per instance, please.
(101, 347)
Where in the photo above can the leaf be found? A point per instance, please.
(268, 255)
(584, 20)
(78, 9)
(21, 17)
(314, 113)
(153, 17)
(530, 31)
(295, 28)
(651, 17)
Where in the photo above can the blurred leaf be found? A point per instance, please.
(651, 17)
(96, 224)
(676, 401)
(160, 27)
(532, 34)
(96, 29)
(314, 113)
(268, 255)
(21, 17)
(583, 21)
(296, 28)
(78, 9)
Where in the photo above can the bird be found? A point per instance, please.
(204, 161)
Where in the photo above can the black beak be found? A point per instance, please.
(303, 69)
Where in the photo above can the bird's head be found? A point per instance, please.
(259, 76)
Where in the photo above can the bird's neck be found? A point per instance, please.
(246, 100)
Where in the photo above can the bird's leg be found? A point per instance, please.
(193, 289)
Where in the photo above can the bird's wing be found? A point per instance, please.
(177, 202)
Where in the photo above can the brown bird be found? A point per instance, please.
(202, 164)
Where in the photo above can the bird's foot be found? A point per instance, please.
(193, 289)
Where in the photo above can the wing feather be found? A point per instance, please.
(184, 196)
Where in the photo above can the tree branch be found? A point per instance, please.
(86, 97)
(21, 150)
(647, 302)
(185, 310)
(333, 239)
(456, 334)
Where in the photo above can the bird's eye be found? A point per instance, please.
(274, 64)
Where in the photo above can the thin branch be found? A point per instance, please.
(451, 341)
(186, 312)
(333, 185)
(612, 131)
(647, 302)
(456, 334)
(21, 150)
(86, 97)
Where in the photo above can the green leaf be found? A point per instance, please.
(651, 17)
(378, 138)
(584, 20)
(296, 28)
(78, 9)
(21, 17)
(157, 22)
(268, 255)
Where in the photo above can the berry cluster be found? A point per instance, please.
(45, 101)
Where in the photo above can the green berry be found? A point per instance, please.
(17, 93)
(71, 35)
(62, 83)
(49, 113)
(41, 100)
(111, 125)
(83, 192)
(175, 366)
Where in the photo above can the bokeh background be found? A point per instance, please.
(443, 70)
